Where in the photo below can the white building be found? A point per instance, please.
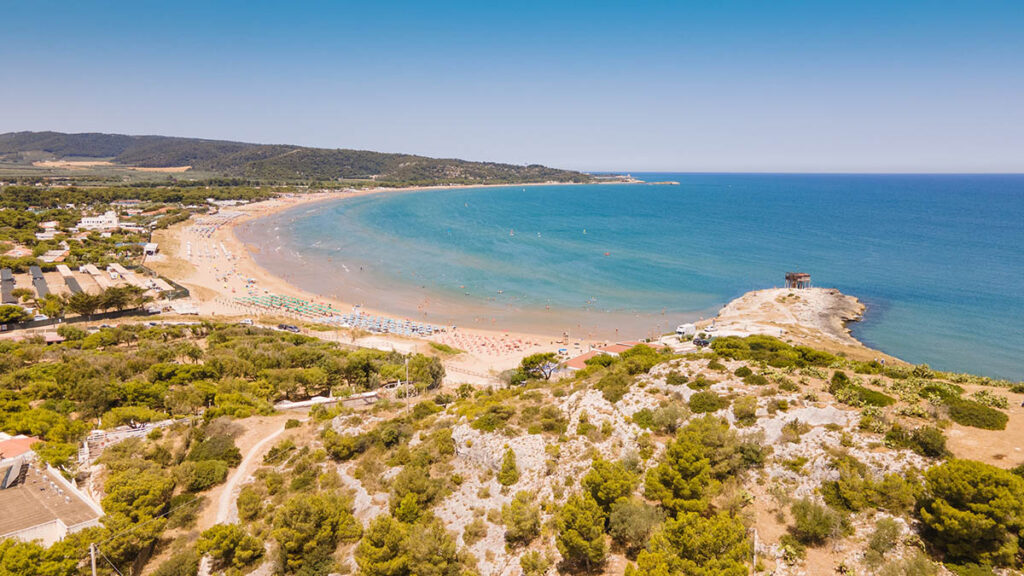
(106, 221)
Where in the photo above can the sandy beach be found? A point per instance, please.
(205, 255)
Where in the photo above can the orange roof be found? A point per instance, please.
(17, 446)
(580, 362)
(619, 347)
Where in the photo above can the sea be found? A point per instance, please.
(937, 259)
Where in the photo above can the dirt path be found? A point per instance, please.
(227, 511)
(252, 446)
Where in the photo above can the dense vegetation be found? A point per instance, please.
(674, 487)
(149, 373)
(275, 162)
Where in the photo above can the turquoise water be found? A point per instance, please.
(939, 260)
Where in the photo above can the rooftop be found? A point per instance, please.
(39, 501)
(16, 446)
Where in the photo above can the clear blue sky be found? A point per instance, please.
(691, 86)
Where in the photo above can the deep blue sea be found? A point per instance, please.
(938, 259)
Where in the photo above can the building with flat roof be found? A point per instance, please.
(44, 506)
(105, 221)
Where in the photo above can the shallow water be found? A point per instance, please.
(938, 259)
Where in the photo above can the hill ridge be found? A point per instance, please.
(270, 161)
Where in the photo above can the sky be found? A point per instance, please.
(756, 86)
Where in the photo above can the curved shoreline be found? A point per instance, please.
(216, 294)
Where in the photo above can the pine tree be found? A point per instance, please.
(509, 473)
(580, 537)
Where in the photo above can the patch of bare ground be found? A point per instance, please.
(1002, 448)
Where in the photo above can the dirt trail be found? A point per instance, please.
(227, 512)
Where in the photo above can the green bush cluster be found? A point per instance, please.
(706, 401)
(849, 392)
(973, 512)
(856, 489)
(926, 440)
(770, 351)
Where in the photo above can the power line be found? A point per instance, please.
(134, 526)
(108, 561)
(153, 519)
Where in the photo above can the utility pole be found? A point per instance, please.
(92, 556)
(407, 384)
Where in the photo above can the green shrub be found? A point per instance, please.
(839, 380)
(971, 413)
(871, 397)
(201, 475)
(250, 503)
(973, 512)
(1018, 470)
(743, 372)
(707, 401)
(644, 418)
(494, 417)
(614, 386)
(700, 383)
(745, 410)
(989, 399)
(230, 545)
(693, 544)
(755, 380)
(927, 440)
(340, 447)
(788, 385)
(280, 452)
(772, 351)
(534, 563)
(882, 541)
(716, 366)
(640, 359)
(970, 569)
(609, 482)
(474, 531)
(216, 447)
(521, 518)
(676, 379)
(793, 430)
(292, 423)
(631, 523)
(579, 533)
(814, 524)
(509, 473)
(666, 418)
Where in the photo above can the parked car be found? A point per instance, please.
(39, 317)
(246, 322)
(288, 328)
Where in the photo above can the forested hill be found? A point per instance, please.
(266, 161)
